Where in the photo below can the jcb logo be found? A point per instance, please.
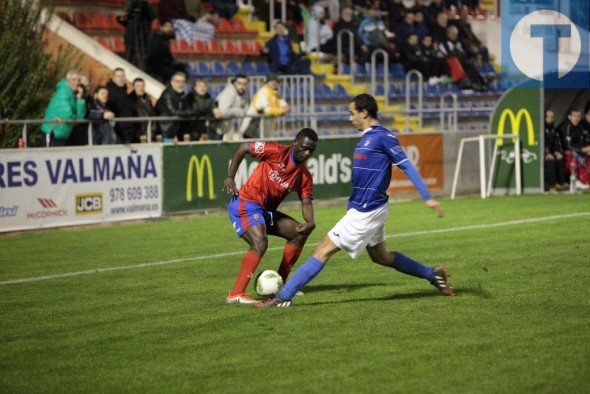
(515, 120)
(198, 166)
(88, 203)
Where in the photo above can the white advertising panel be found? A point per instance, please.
(42, 188)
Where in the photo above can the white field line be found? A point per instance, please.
(241, 252)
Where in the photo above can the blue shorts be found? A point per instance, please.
(245, 214)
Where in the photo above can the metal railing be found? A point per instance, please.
(420, 94)
(339, 54)
(451, 116)
(385, 56)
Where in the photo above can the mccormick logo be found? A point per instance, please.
(47, 203)
(51, 210)
(8, 212)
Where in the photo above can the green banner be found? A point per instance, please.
(519, 111)
(194, 173)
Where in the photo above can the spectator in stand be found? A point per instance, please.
(174, 102)
(439, 29)
(437, 62)
(225, 8)
(417, 58)
(346, 22)
(266, 101)
(420, 25)
(403, 30)
(470, 42)
(103, 133)
(575, 140)
(333, 7)
(79, 135)
(462, 67)
(137, 20)
(319, 33)
(434, 9)
(205, 111)
(143, 106)
(186, 26)
(67, 103)
(160, 63)
(375, 36)
(553, 164)
(121, 105)
(280, 55)
(232, 102)
(395, 13)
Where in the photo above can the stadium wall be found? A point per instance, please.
(53, 187)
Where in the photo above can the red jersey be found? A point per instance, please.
(276, 175)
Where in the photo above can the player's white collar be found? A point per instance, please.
(370, 128)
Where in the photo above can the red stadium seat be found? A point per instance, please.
(155, 24)
(223, 26)
(181, 47)
(215, 48)
(82, 22)
(118, 46)
(230, 47)
(104, 42)
(99, 22)
(113, 23)
(239, 27)
(200, 47)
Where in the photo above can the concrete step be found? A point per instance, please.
(326, 69)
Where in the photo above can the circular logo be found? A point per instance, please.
(528, 52)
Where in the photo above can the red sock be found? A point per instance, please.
(249, 263)
(290, 256)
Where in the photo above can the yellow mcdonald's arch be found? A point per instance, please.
(515, 124)
(199, 167)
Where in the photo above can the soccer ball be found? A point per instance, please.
(268, 282)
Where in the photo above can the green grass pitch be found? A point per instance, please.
(140, 307)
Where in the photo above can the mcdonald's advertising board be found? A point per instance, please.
(519, 111)
(194, 173)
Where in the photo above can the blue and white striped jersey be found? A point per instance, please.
(373, 157)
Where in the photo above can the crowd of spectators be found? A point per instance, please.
(567, 150)
(230, 115)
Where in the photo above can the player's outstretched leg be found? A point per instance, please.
(309, 270)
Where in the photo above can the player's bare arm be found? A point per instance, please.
(433, 204)
(308, 215)
(229, 184)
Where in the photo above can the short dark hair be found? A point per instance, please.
(571, 110)
(138, 80)
(307, 132)
(366, 102)
(99, 88)
(117, 69)
(239, 76)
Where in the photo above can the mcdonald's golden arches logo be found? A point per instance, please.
(199, 167)
(515, 120)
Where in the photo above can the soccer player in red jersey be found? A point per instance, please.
(253, 210)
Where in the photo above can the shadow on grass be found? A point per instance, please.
(467, 291)
(342, 286)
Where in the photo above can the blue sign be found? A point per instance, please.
(545, 43)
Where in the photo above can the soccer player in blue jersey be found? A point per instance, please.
(363, 225)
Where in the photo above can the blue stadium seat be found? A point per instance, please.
(233, 68)
(397, 70)
(262, 68)
(202, 70)
(340, 92)
(359, 70)
(249, 68)
(217, 69)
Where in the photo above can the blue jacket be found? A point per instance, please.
(274, 54)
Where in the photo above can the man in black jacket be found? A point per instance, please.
(122, 106)
(205, 111)
(174, 102)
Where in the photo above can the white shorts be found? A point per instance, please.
(357, 230)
